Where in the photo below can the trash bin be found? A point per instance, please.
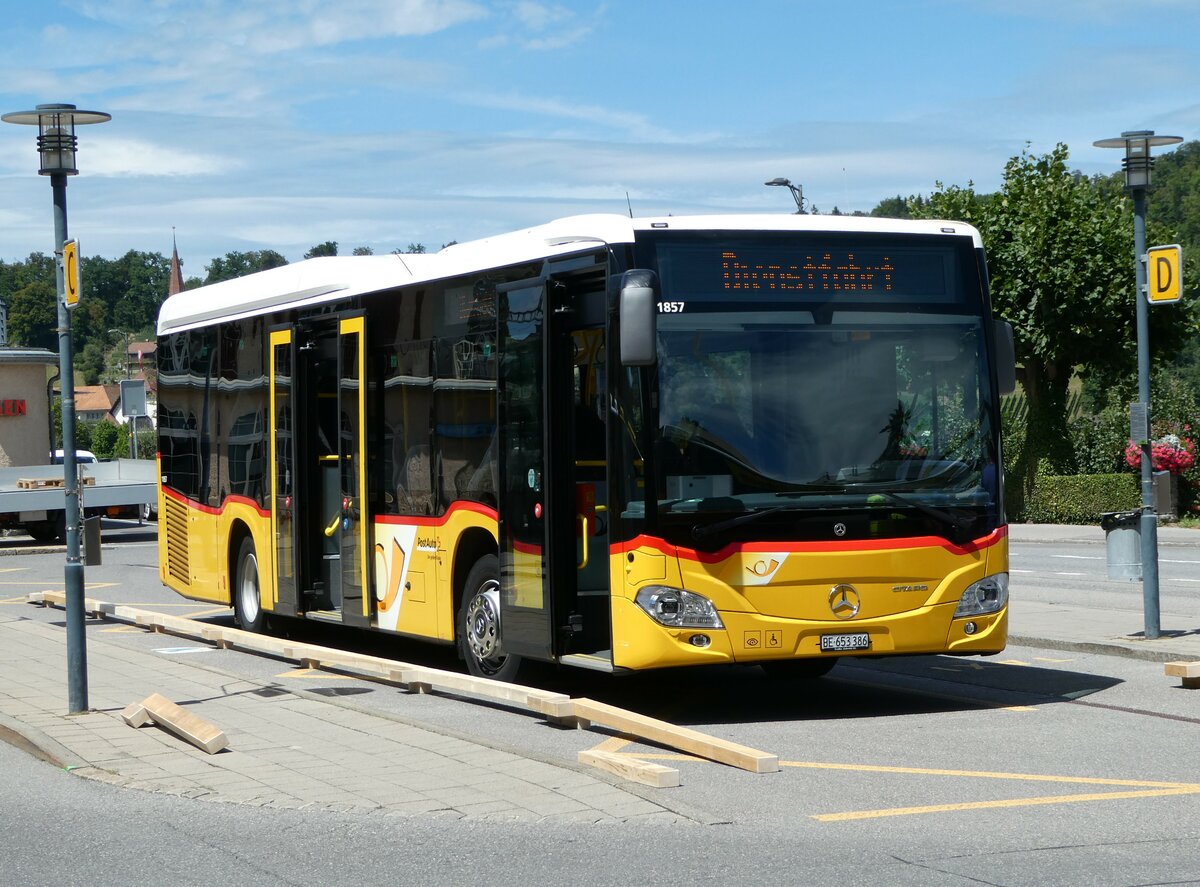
(91, 541)
(1123, 543)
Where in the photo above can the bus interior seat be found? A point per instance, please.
(416, 481)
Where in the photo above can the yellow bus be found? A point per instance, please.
(605, 442)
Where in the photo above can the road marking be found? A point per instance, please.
(1068, 574)
(1151, 790)
(991, 805)
(1078, 557)
(183, 651)
(1011, 570)
(1011, 662)
(613, 745)
(1048, 659)
(212, 611)
(124, 629)
(990, 774)
(315, 674)
(15, 600)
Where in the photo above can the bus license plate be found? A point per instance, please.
(842, 642)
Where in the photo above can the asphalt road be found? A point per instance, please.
(1032, 767)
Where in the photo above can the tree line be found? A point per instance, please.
(119, 301)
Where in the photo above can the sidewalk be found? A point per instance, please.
(286, 749)
(1036, 621)
(293, 749)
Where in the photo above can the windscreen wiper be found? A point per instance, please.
(703, 531)
(942, 515)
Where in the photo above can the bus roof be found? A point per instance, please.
(330, 278)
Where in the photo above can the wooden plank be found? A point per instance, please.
(184, 724)
(626, 767)
(1182, 669)
(135, 715)
(1187, 672)
(673, 736)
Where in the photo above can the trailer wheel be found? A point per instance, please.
(43, 531)
(478, 624)
(247, 604)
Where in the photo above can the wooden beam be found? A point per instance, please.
(673, 736)
(184, 724)
(627, 767)
(1188, 672)
(135, 715)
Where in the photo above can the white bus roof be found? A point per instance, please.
(326, 279)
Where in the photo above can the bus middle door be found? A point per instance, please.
(552, 504)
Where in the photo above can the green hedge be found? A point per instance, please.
(1080, 498)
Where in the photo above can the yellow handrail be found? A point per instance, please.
(583, 519)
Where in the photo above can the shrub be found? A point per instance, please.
(1080, 498)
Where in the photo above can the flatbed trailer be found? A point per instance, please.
(32, 497)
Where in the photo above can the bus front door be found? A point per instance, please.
(554, 600)
(321, 520)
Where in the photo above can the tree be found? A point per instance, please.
(363, 251)
(237, 264)
(1059, 256)
(33, 316)
(328, 248)
(893, 208)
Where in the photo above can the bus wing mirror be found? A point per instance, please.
(1006, 357)
(638, 307)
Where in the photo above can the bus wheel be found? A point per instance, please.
(479, 624)
(798, 669)
(247, 605)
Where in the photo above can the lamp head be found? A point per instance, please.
(56, 134)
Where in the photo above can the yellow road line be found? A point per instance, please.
(213, 611)
(987, 774)
(992, 805)
(310, 673)
(613, 745)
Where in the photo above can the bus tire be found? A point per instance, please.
(478, 624)
(799, 669)
(247, 600)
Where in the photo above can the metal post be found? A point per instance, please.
(77, 683)
(1149, 520)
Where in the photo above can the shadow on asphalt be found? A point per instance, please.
(856, 688)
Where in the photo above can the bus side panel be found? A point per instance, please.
(781, 602)
(413, 577)
(194, 547)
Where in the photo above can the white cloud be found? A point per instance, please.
(139, 157)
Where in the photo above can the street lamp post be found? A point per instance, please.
(797, 192)
(1137, 164)
(56, 146)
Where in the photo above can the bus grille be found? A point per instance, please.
(178, 567)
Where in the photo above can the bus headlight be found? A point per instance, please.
(985, 596)
(677, 608)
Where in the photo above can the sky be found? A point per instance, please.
(243, 125)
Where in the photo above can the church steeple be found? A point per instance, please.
(176, 282)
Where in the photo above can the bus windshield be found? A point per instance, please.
(871, 396)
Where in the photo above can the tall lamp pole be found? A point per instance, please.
(56, 145)
(797, 192)
(1137, 164)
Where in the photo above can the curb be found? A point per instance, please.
(1099, 648)
(36, 743)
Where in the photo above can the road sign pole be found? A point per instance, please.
(1149, 519)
